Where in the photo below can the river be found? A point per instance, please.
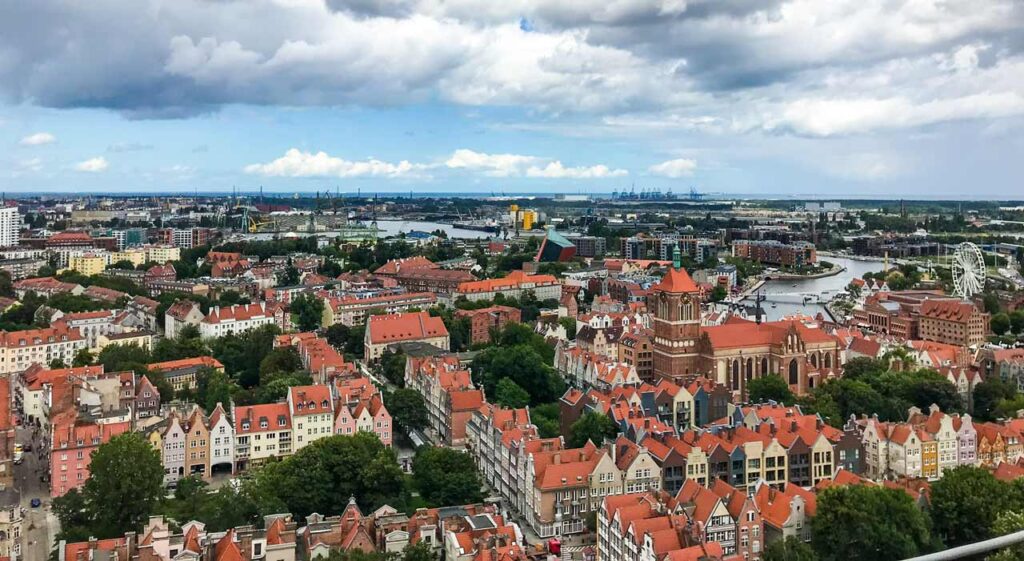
(786, 297)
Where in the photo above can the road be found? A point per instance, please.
(40, 526)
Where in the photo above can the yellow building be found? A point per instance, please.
(141, 339)
(89, 263)
(162, 253)
(137, 256)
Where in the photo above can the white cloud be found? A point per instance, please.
(494, 165)
(518, 165)
(556, 170)
(93, 165)
(679, 167)
(296, 163)
(828, 117)
(38, 139)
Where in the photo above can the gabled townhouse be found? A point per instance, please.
(786, 511)
(312, 412)
(197, 444)
(560, 481)
(172, 454)
(360, 407)
(707, 509)
(147, 399)
(749, 525)
(640, 472)
(222, 441)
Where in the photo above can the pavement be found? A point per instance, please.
(40, 525)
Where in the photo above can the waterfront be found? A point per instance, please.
(786, 297)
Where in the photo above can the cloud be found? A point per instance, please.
(494, 165)
(38, 139)
(518, 165)
(296, 163)
(93, 165)
(679, 167)
(556, 170)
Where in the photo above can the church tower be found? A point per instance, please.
(675, 305)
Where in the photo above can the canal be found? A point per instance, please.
(787, 297)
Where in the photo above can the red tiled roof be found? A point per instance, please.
(512, 281)
(315, 399)
(395, 265)
(272, 413)
(168, 365)
(947, 309)
(241, 312)
(393, 328)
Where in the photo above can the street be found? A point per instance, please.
(41, 526)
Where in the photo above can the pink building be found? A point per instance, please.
(73, 444)
(360, 408)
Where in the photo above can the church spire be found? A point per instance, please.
(677, 259)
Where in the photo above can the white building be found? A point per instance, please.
(239, 318)
(222, 439)
(10, 225)
(21, 349)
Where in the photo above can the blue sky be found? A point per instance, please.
(798, 97)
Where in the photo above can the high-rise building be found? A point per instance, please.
(10, 225)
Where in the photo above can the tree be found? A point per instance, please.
(338, 335)
(790, 549)
(392, 365)
(281, 359)
(991, 303)
(119, 358)
(190, 498)
(770, 388)
(965, 502)
(124, 486)
(523, 365)
(510, 394)
(309, 312)
(1017, 321)
(407, 408)
(83, 358)
(324, 474)
(850, 525)
(988, 395)
(593, 427)
(1007, 523)
(546, 417)
(1000, 323)
(718, 293)
(75, 518)
(213, 387)
(445, 476)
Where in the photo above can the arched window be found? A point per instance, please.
(764, 366)
(794, 372)
(828, 360)
(814, 360)
(750, 369)
(735, 374)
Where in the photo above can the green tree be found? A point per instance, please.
(850, 525)
(718, 293)
(991, 303)
(770, 387)
(74, 516)
(83, 358)
(988, 395)
(392, 366)
(445, 476)
(546, 417)
(1017, 321)
(124, 486)
(213, 387)
(790, 549)
(119, 358)
(523, 365)
(1000, 323)
(281, 359)
(190, 498)
(324, 474)
(338, 335)
(593, 427)
(309, 312)
(1007, 523)
(407, 408)
(965, 502)
(510, 394)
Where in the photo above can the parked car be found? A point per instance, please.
(28, 446)
(35, 503)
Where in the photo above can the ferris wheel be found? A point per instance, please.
(968, 270)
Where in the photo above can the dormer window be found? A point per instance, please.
(245, 425)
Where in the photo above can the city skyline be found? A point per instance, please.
(844, 100)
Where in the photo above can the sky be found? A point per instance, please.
(827, 98)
